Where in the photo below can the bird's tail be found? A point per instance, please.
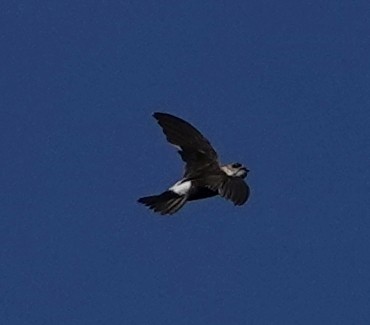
(166, 203)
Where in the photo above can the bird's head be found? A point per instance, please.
(235, 170)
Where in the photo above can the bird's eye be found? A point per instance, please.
(236, 165)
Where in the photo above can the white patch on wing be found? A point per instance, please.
(181, 188)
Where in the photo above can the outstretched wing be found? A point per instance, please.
(231, 188)
(235, 190)
(195, 150)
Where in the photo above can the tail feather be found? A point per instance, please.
(166, 203)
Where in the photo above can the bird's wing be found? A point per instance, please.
(235, 190)
(195, 150)
(231, 188)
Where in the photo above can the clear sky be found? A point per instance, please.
(281, 86)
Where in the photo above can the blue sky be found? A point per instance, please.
(282, 87)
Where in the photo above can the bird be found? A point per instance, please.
(203, 177)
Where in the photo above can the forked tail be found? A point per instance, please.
(166, 203)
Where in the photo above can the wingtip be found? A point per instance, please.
(157, 115)
(161, 115)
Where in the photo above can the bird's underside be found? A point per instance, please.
(203, 176)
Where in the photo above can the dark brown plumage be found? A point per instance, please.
(203, 177)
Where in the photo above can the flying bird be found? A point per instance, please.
(203, 177)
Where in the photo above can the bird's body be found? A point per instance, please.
(203, 176)
(193, 192)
